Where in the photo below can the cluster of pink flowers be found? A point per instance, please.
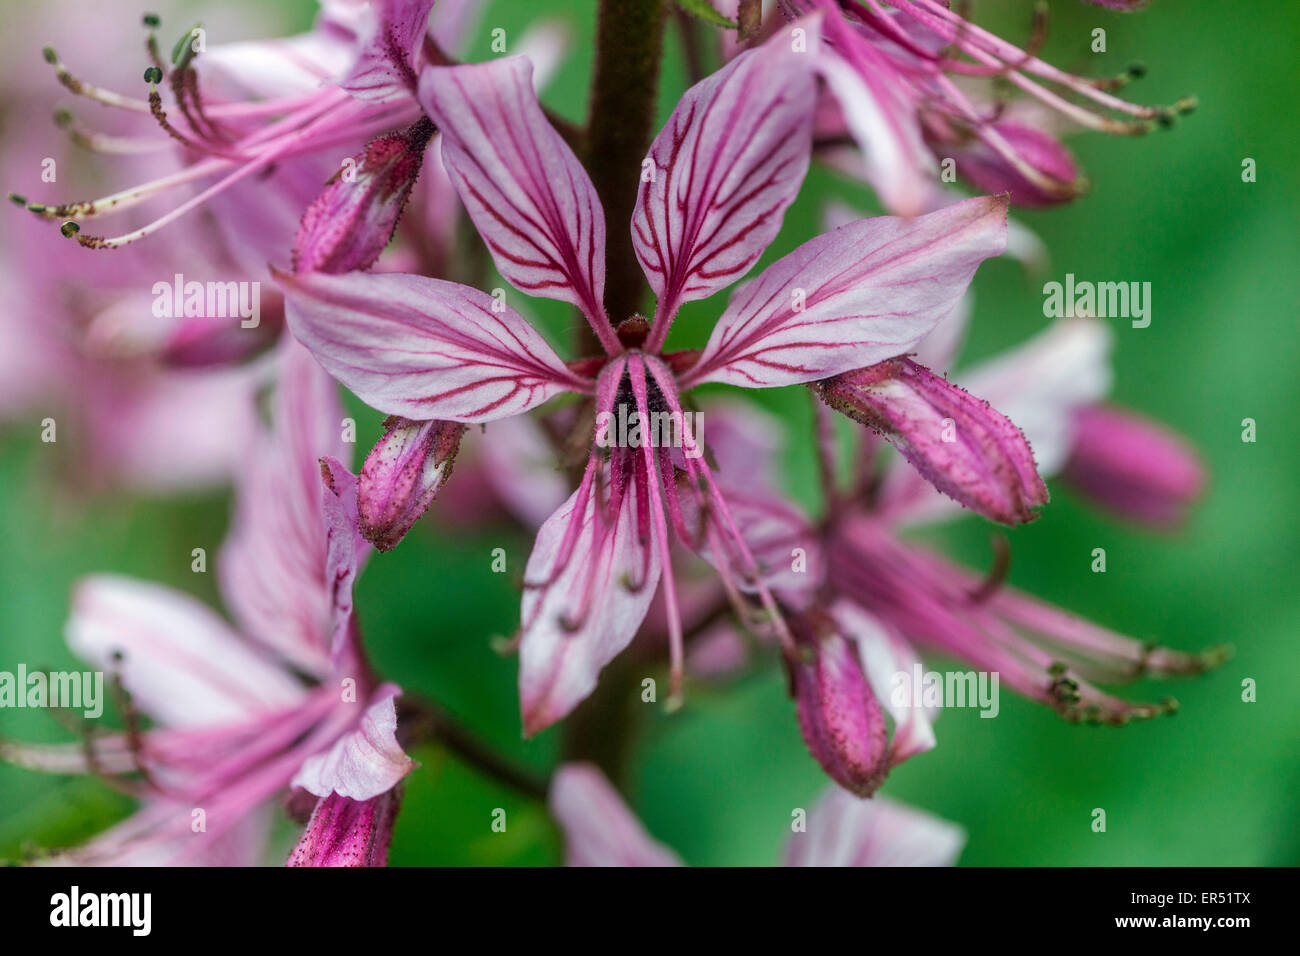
(243, 142)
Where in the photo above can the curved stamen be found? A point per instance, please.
(676, 649)
(82, 88)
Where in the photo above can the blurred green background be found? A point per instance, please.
(1213, 785)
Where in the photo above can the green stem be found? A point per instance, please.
(629, 47)
(602, 728)
(421, 719)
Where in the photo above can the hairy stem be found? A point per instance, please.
(629, 46)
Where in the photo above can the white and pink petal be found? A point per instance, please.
(853, 297)
(424, 348)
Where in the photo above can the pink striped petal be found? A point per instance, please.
(866, 292)
(423, 348)
(599, 829)
(347, 832)
(725, 167)
(364, 763)
(529, 197)
(578, 616)
(272, 566)
(845, 831)
(391, 38)
(181, 663)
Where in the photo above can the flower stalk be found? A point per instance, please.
(629, 46)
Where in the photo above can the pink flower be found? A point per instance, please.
(259, 121)
(234, 723)
(887, 594)
(841, 830)
(719, 177)
(898, 81)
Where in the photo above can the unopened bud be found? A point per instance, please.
(402, 475)
(839, 716)
(959, 443)
(347, 226)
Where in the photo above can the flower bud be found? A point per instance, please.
(402, 476)
(840, 719)
(1132, 466)
(347, 832)
(959, 443)
(347, 226)
(1043, 173)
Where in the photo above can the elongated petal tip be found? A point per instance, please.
(599, 829)
(522, 186)
(960, 444)
(348, 225)
(580, 607)
(839, 717)
(402, 475)
(843, 831)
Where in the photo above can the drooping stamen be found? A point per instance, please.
(152, 21)
(990, 49)
(287, 145)
(827, 455)
(701, 480)
(152, 76)
(302, 123)
(654, 501)
(81, 88)
(1040, 651)
(131, 719)
(997, 573)
(102, 142)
